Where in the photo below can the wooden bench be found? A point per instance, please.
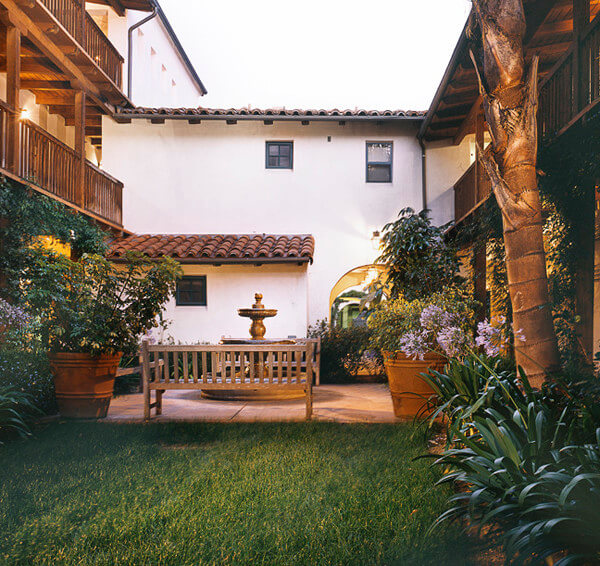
(230, 367)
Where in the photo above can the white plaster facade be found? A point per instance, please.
(211, 178)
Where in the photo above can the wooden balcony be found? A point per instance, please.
(572, 88)
(470, 191)
(51, 167)
(75, 46)
(71, 14)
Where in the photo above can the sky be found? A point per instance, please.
(373, 54)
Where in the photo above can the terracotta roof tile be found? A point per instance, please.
(218, 248)
(257, 113)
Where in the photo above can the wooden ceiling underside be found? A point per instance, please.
(549, 35)
(50, 86)
(120, 6)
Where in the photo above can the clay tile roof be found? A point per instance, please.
(218, 248)
(257, 113)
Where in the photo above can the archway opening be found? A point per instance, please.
(347, 293)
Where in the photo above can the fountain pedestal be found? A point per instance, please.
(257, 314)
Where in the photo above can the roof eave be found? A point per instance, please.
(445, 79)
(268, 117)
(228, 261)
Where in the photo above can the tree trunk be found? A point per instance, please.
(510, 106)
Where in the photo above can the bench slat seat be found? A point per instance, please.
(210, 367)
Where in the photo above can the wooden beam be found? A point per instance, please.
(36, 84)
(13, 89)
(469, 124)
(80, 110)
(117, 7)
(56, 55)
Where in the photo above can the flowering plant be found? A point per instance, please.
(440, 324)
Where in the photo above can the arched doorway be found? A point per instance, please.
(346, 294)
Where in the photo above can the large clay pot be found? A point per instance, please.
(408, 389)
(84, 384)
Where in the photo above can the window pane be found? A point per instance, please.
(284, 162)
(191, 291)
(381, 152)
(273, 161)
(284, 150)
(273, 149)
(379, 174)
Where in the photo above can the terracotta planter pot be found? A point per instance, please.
(84, 384)
(409, 391)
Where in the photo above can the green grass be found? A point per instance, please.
(179, 494)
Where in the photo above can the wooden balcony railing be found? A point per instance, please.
(470, 191)
(572, 87)
(71, 14)
(50, 164)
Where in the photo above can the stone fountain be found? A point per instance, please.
(257, 314)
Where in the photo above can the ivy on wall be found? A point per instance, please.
(25, 216)
(569, 175)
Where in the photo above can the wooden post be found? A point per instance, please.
(480, 249)
(82, 30)
(146, 378)
(13, 89)
(581, 18)
(309, 378)
(80, 100)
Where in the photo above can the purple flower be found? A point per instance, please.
(490, 337)
(414, 345)
(434, 318)
(453, 340)
(12, 317)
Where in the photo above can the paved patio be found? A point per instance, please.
(367, 402)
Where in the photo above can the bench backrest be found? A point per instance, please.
(277, 364)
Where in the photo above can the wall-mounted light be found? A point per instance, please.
(376, 240)
(24, 114)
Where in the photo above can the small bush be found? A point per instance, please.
(29, 373)
(16, 409)
(344, 352)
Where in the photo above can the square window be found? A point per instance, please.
(191, 291)
(379, 162)
(280, 155)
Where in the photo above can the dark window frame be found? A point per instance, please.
(389, 163)
(201, 303)
(289, 144)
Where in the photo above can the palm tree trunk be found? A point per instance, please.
(510, 106)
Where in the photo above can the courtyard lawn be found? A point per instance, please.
(189, 494)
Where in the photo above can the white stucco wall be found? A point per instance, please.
(231, 287)
(160, 77)
(211, 178)
(446, 163)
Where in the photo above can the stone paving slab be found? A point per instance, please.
(366, 402)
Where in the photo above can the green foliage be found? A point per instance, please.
(527, 461)
(92, 305)
(16, 409)
(31, 215)
(393, 320)
(419, 258)
(179, 494)
(344, 351)
(29, 372)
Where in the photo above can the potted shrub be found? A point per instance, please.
(415, 337)
(90, 312)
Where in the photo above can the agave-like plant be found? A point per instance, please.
(514, 468)
(16, 408)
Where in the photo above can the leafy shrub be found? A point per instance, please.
(29, 373)
(344, 351)
(92, 305)
(420, 261)
(16, 408)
